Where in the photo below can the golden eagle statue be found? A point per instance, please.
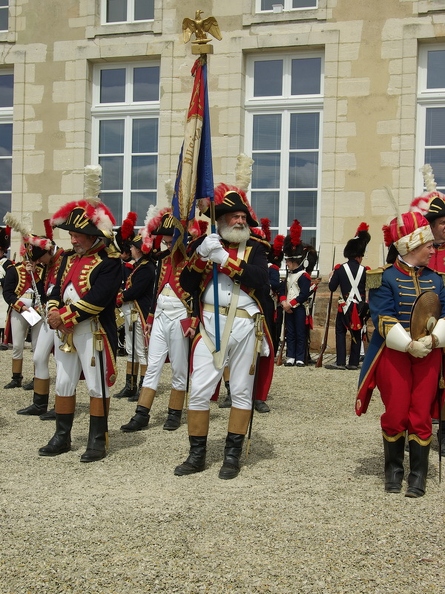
(200, 27)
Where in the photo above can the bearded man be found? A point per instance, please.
(243, 287)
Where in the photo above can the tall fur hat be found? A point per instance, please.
(88, 216)
(356, 247)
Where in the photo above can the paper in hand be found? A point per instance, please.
(32, 316)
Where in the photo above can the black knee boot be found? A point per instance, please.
(38, 407)
(232, 454)
(418, 463)
(96, 447)
(61, 440)
(16, 381)
(139, 421)
(394, 449)
(196, 458)
(130, 388)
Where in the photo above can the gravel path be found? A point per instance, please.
(307, 513)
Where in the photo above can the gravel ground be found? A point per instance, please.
(307, 513)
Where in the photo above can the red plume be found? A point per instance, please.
(265, 225)
(362, 227)
(277, 246)
(295, 232)
(128, 224)
(48, 229)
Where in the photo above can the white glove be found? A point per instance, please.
(418, 349)
(439, 333)
(427, 341)
(211, 242)
(219, 255)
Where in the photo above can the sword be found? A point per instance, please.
(259, 334)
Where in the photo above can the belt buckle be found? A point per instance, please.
(224, 310)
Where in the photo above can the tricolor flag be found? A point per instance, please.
(194, 177)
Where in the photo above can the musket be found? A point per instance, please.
(259, 334)
(99, 347)
(38, 301)
(324, 344)
(133, 318)
(283, 330)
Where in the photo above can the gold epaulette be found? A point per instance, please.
(260, 240)
(112, 252)
(374, 277)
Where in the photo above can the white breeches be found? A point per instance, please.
(140, 351)
(70, 365)
(167, 338)
(19, 330)
(239, 358)
(42, 352)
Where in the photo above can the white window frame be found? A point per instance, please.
(130, 14)
(6, 117)
(426, 98)
(286, 105)
(127, 111)
(286, 4)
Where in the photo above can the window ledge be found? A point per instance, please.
(124, 28)
(8, 36)
(425, 6)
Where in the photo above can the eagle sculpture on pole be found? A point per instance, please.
(200, 27)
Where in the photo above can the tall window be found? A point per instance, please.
(284, 107)
(125, 135)
(4, 15)
(431, 111)
(6, 104)
(268, 5)
(127, 11)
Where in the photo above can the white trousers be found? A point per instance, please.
(42, 352)
(140, 350)
(167, 338)
(239, 358)
(19, 330)
(71, 365)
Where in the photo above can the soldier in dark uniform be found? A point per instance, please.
(135, 301)
(351, 278)
(5, 263)
(405, 370)
(82, 311)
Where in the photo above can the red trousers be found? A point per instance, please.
(408, 387)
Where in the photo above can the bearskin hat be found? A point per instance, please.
(356, 247)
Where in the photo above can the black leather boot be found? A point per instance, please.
(418, 464)
(50, 415)
(16, 381)
(130, 387)
(394, 450)
(196, 458)
(61, 440)
(139, 421)
(135, 396)
(227, 402)
(96, 447)
(38, 407)
(29, 386)
(232, 454)
(173, 420)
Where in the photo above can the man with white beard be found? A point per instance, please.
(243, 286)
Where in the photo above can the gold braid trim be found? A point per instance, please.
(393, 438)
(422, 442)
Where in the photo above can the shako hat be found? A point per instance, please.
(88, 216)
(356, 247)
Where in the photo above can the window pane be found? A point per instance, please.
(266, 132)
(112, 173)
(5, 175)
(303, 170)
(306, 76)
(4, 3)
(146, 84)
(304, 130)
(116, 11)
(5, 204)
(6, 90)
(144, 10)
(111, 136)
(144, 172)
(4, 14)
(435, 127)
(114, 201)
(145, 136)
(266, 171)
(436, 158)
(267, 5)
(302, 206)
(140, 202)
(5, 141)
(268, 78)
(112, 85)
(304, 3)
(436, 70)
(266, 205)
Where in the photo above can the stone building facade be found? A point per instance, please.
(334, 99)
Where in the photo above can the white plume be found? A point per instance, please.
(428, 178)
(23, 227)
(243, 171)
(92, 183)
